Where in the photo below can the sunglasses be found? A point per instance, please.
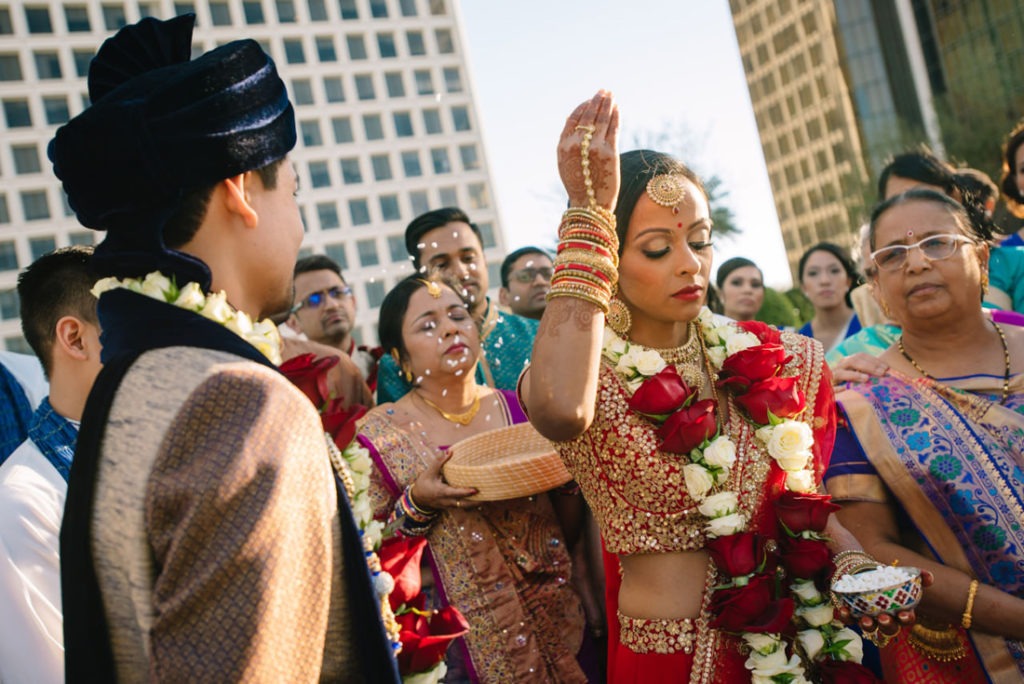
(314, 299)
(935, 247)
(528, 275)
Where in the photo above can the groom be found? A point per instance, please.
(204, 538)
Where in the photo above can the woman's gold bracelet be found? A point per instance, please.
(968, 617)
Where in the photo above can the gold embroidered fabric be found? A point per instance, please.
(649, 635)
(638, 493)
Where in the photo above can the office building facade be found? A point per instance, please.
(384, 108)
(839, 87)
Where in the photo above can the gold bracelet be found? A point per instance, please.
(852, 561)
(588, 258)
(967, 618)
(592, 294)
(595, 214)
(588, 134)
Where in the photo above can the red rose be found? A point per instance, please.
(400, 557)
(751, 608)
(777, 395)
(738, 554)
(688, 427)
(309, 374)
(766, 333)
(845, 672)
(806, 558)
(426, 637)
(804, 512)
(660, 394)
(744, 368)
(340, 423)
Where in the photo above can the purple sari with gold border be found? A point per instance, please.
(503, 564)
(952, 457)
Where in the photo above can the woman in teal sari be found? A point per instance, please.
(931, 468)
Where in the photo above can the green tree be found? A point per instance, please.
(800, 302)
(778, 310)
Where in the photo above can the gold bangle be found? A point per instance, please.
(593, 214)
(967, 618)
(588, 258)
(592, 294)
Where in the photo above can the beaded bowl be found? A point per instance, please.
(890, 598)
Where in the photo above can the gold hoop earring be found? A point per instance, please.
(618, 317)
(984, 283)
(885, 308)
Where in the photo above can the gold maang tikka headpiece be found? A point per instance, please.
(667, 190)
(433, 289)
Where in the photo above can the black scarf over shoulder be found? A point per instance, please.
(133, 324)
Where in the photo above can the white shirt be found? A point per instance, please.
(27, 370)
(32, 495)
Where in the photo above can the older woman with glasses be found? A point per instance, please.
(929, 469)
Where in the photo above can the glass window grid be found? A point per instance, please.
(47, 65)
(432, 121)
(359, 211)
(5, 214)
(337, 252)
(445, 44)
(327, 213)
(460, 119)
(220, 13)
(452, 80)
(375, 291)
(253, 11)
(37, 19)
(6, 27)
(356, 47)
(8, 256)
(10, 67)
(285, 11)
(411, 164)
(424, 82)
(373, 126)
(386, 45)
(325, 49)
(389, 208)
(10, 304)
(448, 197)
(311, 133)
(342, 127)
(293, 51)
(381, 167)
(82, 60)
(470, 158)
(302, 91)
(319, 174)
(364, 87)
(348, 9)
(367, 250)
(184, 8)
(408, 8)
(17, 113)
(334, 89)
(76, 18)
(26, 159)
(39, 246)
(396, 249)
(56, 109)
(439, 160)
(403, 124)
(418, 202)
(350, 172)
(394, 83)
(114, 17)
(379, 9)
(34, 206)
(414, 39)
(81, 237)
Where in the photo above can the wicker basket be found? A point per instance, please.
(506, 463)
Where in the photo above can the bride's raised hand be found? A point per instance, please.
(597, 122)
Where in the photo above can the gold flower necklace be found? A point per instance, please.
(464, 418)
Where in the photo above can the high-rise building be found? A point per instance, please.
(839, 87)
(383, 102)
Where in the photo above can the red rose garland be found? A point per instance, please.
(790, 636)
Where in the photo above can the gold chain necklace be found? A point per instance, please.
(1006, 362)
(464, 418)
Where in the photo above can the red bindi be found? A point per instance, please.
(679, 225)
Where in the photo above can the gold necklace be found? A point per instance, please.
(684, 353)
(1006, 362)
(464, 418)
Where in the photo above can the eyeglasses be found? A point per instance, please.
(934, 247)
(314, 299)
(528, 275)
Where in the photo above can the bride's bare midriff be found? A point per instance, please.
(663, 585)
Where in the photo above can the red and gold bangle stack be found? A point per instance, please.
(587, 263)
(412, 519)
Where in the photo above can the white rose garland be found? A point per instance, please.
(263, 334)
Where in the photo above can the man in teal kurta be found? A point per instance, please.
(444, 242)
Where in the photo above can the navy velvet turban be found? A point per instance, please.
(159, 126)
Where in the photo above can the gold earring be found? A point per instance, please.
(885, 308)
(618, 317)
(984, 283)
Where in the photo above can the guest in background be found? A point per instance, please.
(1011, 181)
(58, 318)
(741, 286)
(827, 276)
(525, 281)
(504, 564)
(22, 387)
(444, 242)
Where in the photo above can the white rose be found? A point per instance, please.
(431, 676)
(719, 505)
(807, 592)
(240, 324)
(707, 321)
(801, 481)
(156, 285)
(773, 660)
(361, 510)
(627, 363)
(372, 533)
(852, 651)
(105, 285)
(265, 328)
(716, 355)
(614, 345)
(133, 284)
(721, 453)
(217, 308)
(358, 458)
(790, 443)
(698, 480)
(811, 642)
(816, 616)
(726, 525)
(649, 363)
(762, 643)
(765, 675)
(190, 297)
(739, 341)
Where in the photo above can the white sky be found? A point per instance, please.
(672, 65)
